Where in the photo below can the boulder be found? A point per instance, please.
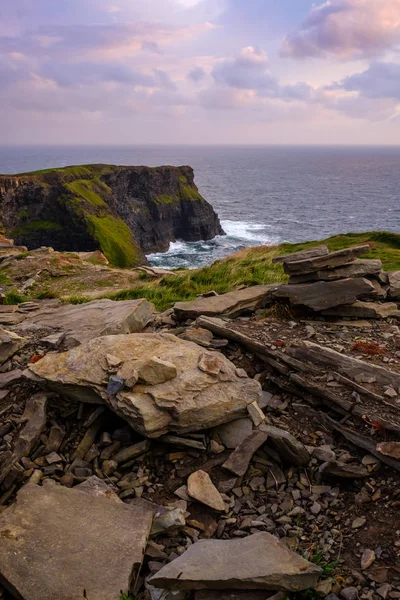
(364, 310)
(302, 255)
(259, 561)
(394, 283)
(84, 322)
(64, 543)
(328, 261)
(324, 295)
(10, 343)
(207, 390)
(232, 303)
(358, 268)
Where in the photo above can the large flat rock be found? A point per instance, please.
(323, 295)
(259, 561)
(394, 283)
(190, 388)
(302, 255)
(232, 303)
(84, 322)
(364, 310)
(358, 268)
(58, 543)
(328, 261)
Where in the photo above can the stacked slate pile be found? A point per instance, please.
(339, 284)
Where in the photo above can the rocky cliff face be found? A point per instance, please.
(124, 211)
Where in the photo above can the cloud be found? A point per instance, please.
(197, 74)
(348, 29)
(380, 80)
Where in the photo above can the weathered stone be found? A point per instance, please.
(394, 283)
(10, 343)
(156, 371)
(193, 400)
(239, 460)
(54, 340)
(328, 261)
(10, 377)
(349, 593)
(198, 335)
(289, 449)
(391, 449)
(59, 543)
(302, 255)
(358, 268)
(35, 418)
(232, 303)
(168, 520)
(234, 433)
(255, 414)
(259, 561)
(324, 295)
(232, 595)
(97, 487)
(367, 559)
(343, 470)
(84, 322)
(364, 310)
(132, 451)
(201, 488)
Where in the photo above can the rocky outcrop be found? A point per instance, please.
(124, 211)
(157, 382)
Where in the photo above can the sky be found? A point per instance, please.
(200, 72)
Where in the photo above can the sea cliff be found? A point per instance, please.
(124, 211)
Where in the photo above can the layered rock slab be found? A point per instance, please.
(259, 561)
(328, 261)
(207, 391)
(84, 322)
(232, 303)
(60, 543)
(324, 295)
(358, 268)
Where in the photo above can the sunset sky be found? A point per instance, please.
(199, 72)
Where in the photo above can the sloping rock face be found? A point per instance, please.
(84, 322)
(124, 211)
(61, 543)
(259, 561)
(193, 388)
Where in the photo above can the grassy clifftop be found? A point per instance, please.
(252, 266)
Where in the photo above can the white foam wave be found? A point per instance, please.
(192, 255)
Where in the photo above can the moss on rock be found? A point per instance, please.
(115, 240)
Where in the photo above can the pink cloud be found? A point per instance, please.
(349, 29)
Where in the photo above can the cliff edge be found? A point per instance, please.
(124, 211)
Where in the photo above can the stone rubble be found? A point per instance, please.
(210, 461)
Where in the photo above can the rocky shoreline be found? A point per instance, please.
(235, 447)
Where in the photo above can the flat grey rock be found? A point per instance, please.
(58, 543)
(329, 261)
(232, 303)
(289, 449)
(239, 460)
(364, 310)
(358, 268)
(84, 322)
(323, 295)
(259, 561)
(302, 255)
(232, 434)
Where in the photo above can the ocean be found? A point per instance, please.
(263, 195)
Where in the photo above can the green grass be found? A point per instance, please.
(115, 240)
(165, 199)
(12, 298)
(86, 189)
(33, 226)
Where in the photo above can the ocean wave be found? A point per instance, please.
(192, 255)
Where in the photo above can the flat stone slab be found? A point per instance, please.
(358, 268)
(287, 446)
(206, 390)
(323, 295)
(302, 255)
(232, 303)
(58, 543)
(239, 460)
(364, 310)
(329, 261)
(259, 561)
(84, 322)
(394, 283)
